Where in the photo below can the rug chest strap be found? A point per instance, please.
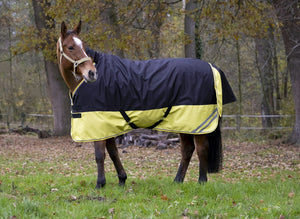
(134, 126)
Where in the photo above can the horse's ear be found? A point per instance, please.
(77, 29)
(64, 30)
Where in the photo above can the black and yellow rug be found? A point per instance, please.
(179, 95)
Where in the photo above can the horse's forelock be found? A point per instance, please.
(70, 32)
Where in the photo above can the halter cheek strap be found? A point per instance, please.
(75, 63)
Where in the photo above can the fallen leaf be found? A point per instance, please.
(111, 211)
(185, 213)
(157, 212)
(83, 183)
(164, 197)
(291, 194)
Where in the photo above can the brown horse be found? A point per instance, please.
(75, 66)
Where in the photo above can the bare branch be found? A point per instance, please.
(292, 50)
(172, 3)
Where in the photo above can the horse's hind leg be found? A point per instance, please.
(202, 147)
(187, 149)
(100, 157)
(114, 155)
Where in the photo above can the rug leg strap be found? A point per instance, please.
(134, 126)
(158, 122)
(127, 119)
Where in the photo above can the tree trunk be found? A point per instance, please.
(238, 58)
(198, 42)
(110, 18)
(57, 90)
(285, 84)
(275, 64)
(288, 13)
(264, 60)
(189, 29)
(10, 100)
(156, 21)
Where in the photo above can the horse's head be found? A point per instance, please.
(72, 58)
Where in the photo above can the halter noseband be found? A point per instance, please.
(75, 63)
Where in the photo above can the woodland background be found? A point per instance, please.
(242, 37)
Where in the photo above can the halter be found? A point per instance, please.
(75, 63)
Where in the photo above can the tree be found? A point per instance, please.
(57, 90)
(264, 60)
(113, 31)
(189, 28)
(288, 14)
(157, 15)
(242, 21)
(110, 19)
(6, 54)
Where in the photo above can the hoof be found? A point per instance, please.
(122, 179)
(178, 181)
(121, 184)
(99, 186)
(202, 180)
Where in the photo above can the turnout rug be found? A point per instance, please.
(181, 95)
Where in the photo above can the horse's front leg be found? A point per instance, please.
(100, 157)
(187, 149)
(114, 155)
(202, 147)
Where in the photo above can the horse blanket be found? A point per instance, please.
(181, 95)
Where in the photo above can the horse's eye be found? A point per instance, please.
(71, 48)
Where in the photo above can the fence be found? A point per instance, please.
(40, 121)
(253, 122)
(229, 122)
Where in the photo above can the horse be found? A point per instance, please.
(77, 69)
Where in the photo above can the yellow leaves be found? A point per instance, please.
(231, 17)
(236, 36)
(29, 40)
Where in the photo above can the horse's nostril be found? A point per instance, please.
(91, 74)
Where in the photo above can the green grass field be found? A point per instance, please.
(55, 178)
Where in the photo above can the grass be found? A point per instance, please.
(54, 179)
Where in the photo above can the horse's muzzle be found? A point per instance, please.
(92, 76)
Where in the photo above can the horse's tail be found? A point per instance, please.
(215, 155)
